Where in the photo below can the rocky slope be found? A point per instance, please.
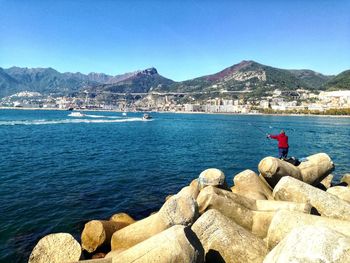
(246, 76)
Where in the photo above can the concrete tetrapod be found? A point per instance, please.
(248, 184)
(327, 181)
(345, 179)
(311, 244)
(290, 189)
(342, 192)
(56, 248)
(284, 222)
(211, 176)
(180, 209)
(122, 218)
(316, 168)
(273, 169)
(98, 233)
(225, 241)
(242, 210)
(176, 244)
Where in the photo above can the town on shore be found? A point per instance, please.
(299, 102)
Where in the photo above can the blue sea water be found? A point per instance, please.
(57, 172)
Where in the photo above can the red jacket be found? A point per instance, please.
(282, 140)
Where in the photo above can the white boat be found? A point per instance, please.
(146, 116)
(76, 114)
(124, 113)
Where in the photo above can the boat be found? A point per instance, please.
(76, 114)
(146, 116)
(124, 113)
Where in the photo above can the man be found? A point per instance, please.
(283, 146)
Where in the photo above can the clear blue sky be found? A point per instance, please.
(182, 39)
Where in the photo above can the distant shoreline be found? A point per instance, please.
(187, 112)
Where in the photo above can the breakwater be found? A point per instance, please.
(57, 176)
(276, 216)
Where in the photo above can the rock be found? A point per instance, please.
(98, 233)
(345, 179)
(248, 184)
(225, 241)
(316, 168)
(311, 244)
(327, 181)
(342, 192)
(180, 209)
(56, 248)
(273, 169)
(176, 244)
(213, 177)
(290, 189)
(230, 204)
(284, 222)
(122, 218)
(271, 205)
(98, 255)
(191, 191)
(242, 210)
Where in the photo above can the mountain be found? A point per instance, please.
(247, 76)
(341, 81)
(49, 81)
(252, 77)
(136, 82)
(8, 85)
(43, 80)
(311, 78)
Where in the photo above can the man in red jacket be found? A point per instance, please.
(283, 146)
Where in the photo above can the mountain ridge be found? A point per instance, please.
(247, 76)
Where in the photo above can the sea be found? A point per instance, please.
(57, 171)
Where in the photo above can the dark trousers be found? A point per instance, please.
(282, 153)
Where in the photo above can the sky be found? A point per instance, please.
(182, 39)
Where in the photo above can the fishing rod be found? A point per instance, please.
(249, 123)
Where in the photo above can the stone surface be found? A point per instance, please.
(122, 218)
(327, 181)
(248, 184)
(191, 191)
(211, 176)
(239, 208)
(290, 189)
(180, 209)
(273, 205)
(225, 241)
(342, 192)
(56, 248)
(316, 168)
(345, 179)
(230, 204)
(311, 244)
(98, 233)
(273, 169)
(284, 222)
(176, 244)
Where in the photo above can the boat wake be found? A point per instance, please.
(67, 121)
(102, 116)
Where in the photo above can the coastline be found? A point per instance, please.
(188, 112)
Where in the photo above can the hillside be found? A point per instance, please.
(43, 80)
(252, 77)
(341, 81)
(137, 82)
(8, 85)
